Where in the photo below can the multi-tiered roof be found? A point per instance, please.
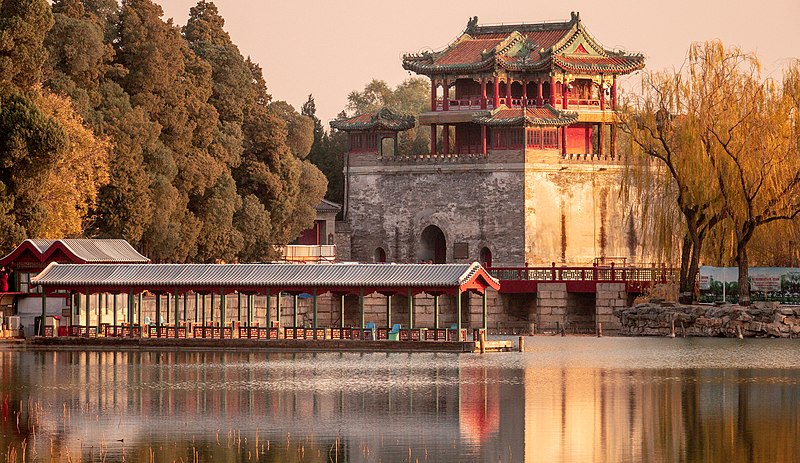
(524, 48)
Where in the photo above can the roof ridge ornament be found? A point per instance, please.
(472, 25)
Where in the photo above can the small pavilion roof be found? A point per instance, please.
(345, 278)
(526, 48)
(77, 251)
(328, 206)
(384, 118)
(537, 116)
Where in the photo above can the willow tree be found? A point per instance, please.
(725, 142)
(751, 142)
(667, 162)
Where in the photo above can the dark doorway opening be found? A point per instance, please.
(486, 257)
(433, 247)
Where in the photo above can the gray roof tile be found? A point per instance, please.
(260, 275)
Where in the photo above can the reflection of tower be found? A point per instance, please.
(479, 417)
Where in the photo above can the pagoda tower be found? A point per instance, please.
(524, 86)
(522, 167)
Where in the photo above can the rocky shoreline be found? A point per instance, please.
(761, 320)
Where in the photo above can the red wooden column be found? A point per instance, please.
(433, 94)
(433, 139)
(483, 93)
(552, 91)
(614, 94)
(445, 139)
(483, 140)
(445, 95)
(587, 141)
(524, 93)
(602, 94)
(508, 92)
(458, 135)
(564, 139)
(601, 139)
(496, 92)
(564, 94)
(539, 95)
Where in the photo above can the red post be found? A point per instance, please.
(539, 96)
(483, 93)
(433, 94)
(553, 272)
(457, 136)
(613, 277)
(496, 92)
(564, 86)
(524, 93)
(614, 94)
(445, 139)
(508, 92)
(483, 140)
(564, 140)
(602, 94)
(552, 91)
(445, 95)
(433, 139)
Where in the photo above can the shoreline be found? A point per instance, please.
(279, 345)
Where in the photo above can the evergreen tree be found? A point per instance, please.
(327, 153)
(23, 25)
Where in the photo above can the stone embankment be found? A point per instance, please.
(665, 319)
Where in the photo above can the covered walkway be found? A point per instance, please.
(175, 282)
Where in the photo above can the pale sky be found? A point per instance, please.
(330, 48)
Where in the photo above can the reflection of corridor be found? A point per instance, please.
(509, 407)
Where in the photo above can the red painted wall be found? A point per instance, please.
(579, 139)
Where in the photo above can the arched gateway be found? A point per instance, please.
(432, 245)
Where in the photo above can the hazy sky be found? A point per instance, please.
(330, 48)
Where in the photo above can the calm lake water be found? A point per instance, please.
(565, 400)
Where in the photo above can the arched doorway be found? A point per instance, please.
(486, 257)
(433, 247)
(379, 255)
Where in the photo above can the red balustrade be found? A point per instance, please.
(579, 279)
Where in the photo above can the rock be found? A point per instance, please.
(774, 330)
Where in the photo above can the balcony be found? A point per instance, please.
(474, 103)
(303, 253)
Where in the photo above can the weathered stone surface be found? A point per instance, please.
(656, 319)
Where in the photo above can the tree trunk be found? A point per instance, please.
(744, 280)
(684, 290)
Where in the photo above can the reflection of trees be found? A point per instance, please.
(379, 406)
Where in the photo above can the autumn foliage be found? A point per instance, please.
(117, 123)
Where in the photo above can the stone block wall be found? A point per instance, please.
(551, 304)
(477, 204)
(610, 297)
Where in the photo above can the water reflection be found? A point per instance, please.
(546, 405)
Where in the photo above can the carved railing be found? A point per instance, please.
(601, 274)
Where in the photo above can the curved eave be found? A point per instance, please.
(526, 121)
(564, 118)
(633, 64)
(428, 68)
(362, 126)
